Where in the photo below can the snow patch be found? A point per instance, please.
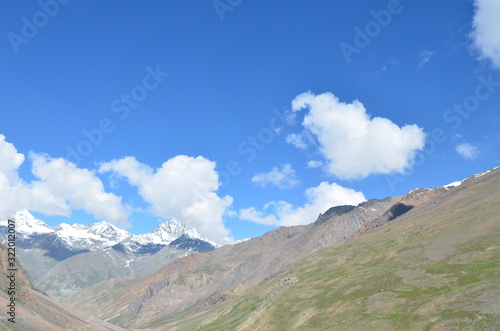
(242, 240)
(483, 173)
(454, 184)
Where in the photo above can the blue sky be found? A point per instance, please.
(239, 116)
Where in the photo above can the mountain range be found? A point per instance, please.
(66, 258)
(427, 260)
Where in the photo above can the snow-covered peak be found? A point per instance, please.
(27, 224)
(92, 236)
(167, 232)
(454, 184)
(70, 233)
(107, 230)
(176, 228)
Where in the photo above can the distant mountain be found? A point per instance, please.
(66, 258)
(187, 242)
(167, 232)
(425, 260)
(91, 237)
(77, 238)
(163, 235)
(27, 225)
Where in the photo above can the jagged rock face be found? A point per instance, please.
(398, 210)
(133, 247)
(334, 211)
(186, 242)
(22, 282)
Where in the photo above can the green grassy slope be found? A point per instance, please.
(434, 269)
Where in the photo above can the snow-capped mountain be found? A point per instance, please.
(166, 232)
(68, 257)
(28, 225)
(78, 237)
(92, 237)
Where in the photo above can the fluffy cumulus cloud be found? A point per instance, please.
(59, 188)
(318, 200)
(281, 178)
(11, 160)
(467, 151)
(183, 188)
(486, 27)
(354, 144)
(79, 187)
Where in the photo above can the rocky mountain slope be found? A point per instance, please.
(35, 311)
(434, 268)
(191, 288)
(66, 258)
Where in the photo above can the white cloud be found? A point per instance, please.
(314, 164)
(11, 160)
(15, 194)
(297, 140)
(467, 151)
(354, 144)
(281, 178)
(486, 27)
(79, 187)
(59, 188)
(318, 200)
(425, 56)
(183, 188)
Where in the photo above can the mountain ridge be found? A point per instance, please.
(194, 285)
(104, 233)
(63, 259)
